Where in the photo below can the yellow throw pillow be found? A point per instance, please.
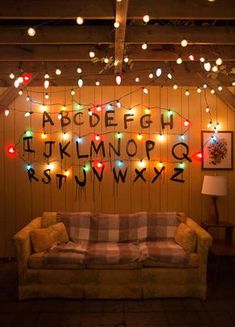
(185, 237)
(43, 238)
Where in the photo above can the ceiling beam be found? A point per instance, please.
(14, 53)
(121, 16)
(103, 9)
(225, 95)
(55, 35)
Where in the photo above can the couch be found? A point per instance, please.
(112, 256)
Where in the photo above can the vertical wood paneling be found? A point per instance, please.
(21, 200)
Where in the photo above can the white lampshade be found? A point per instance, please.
(214, 185)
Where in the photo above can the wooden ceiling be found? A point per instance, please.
(209, 28)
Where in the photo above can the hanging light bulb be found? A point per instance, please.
(161, 137)
(158, 72)
(146, 18)
(12, 76)
(145, 90)
(79, 20)
(98, 108)
(59, 116)
(79, 70)
(6, 112)
(186, 123)
(169, 75)
(147, 111)
(137, 79)
(179, 61)
(220, 88)
(207, 109)
(126, 59)
(212, 91)
(116, 24)
(58, 71)
(191, 57)
(141, 163)
(209, 124)
(233, 83)
(204, 86)
(46, 84)
(65, 136)
(207, 66)
(72, 92)
(118, 79)
(46, 76)
(89, 112)
(199, 90)
(27, 114)
(106, 60)
(20, 92)
(16, 83)
(80, 82)
(97, 137)
(97, 83)
(187, 93)
(31, 31)
(202, 59)
(91, 53)
(175, 86)
(139, 136)
(144, 46)
(118, 104)
(219, 61)
(43, 136)
(184, 43)
(119, 135)
(150, 75)
(27, 98)
(215, 69)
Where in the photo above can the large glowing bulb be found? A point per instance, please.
(184, 43)
(79, 70)
(16, 83)
(219, 61)
(79, 20)
(12, 76)
(65, 136)
(116, 24)
(80, 82)
(46, 84)
(146, 18)
(139, 136)
(6, 112)
(199, 90)
(58, 71)
(207, 66)
(179, 61)
(31, 31)
(126, 59)
(141, 163)
(118, 79)
(161, 137)
(144, 46)
(91, 53)
(158, 72)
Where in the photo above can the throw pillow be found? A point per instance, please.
(186, 238)
(43, 238)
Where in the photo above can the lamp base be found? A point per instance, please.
(213, 216)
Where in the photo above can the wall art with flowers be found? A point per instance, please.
(217, 150)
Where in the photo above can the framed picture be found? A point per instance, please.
(217, 150)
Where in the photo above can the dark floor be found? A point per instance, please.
(217, 310)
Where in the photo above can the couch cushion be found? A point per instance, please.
(118, 227)
(164, 252)
(77, 224)
(48, 218)
(192, 262)
(186, 237)
(107, 253)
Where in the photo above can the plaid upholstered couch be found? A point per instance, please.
(115, 256)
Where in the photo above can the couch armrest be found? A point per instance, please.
(23, 246)
(204, 242)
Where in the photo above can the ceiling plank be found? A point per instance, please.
(46, 35)
(225, 95)
(103, 9)
(121, 16)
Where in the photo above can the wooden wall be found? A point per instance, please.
(22, 200)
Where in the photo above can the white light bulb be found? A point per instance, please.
(118, 79)
(184, 43)
(233, 83)
(158, 72)
(80, 82)
(126, 59)
(16, 83)
(220, 88)
(137, 79)
(207, 66)
(116, 24)
(219, 61)
(12, 76)
(79, 20)
(199, 90)
(169, 75)
(91, 54)
(204, 86)
(187, 93)
(151, 75)
(20, 79)
(179, 61)
(144, 46)
(146, 18)
(46, 76)
(28, 98)
(7, 111)
(58, 71)
(79, 70)
(31, 31)
(191, 57)
(46, 84)
(202, 59)
(72, 92)
(46, 96)
(97, 83)
(27, 114)
(215, 69)
(145, 90)
(20, 92)
(175, 86)
(212, 91)
(106, 60)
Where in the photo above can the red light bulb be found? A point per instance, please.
(26, 78)
(98, 108)
(99, 164)
(11, 150)
(186, 123)
(97, 137)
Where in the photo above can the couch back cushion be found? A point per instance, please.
(118, 227)
(78, 224)
(162, 225)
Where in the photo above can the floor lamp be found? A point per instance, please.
(214, 186)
